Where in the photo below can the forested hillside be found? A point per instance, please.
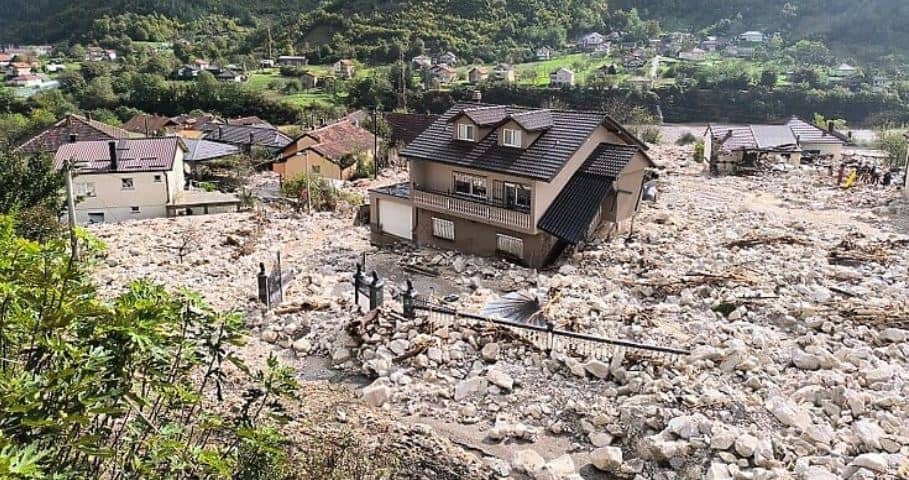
(864, 29)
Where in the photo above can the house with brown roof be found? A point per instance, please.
(310, 79)
(151, 125)
(133, 179)
(477, 74)
(61, 133)
(345, 68)
(330, 152)
(443, 74)
(516, 182)
(504, 72)
(748, 148)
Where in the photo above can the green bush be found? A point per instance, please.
(698, 155)
(324, 195)
(687, 139)
(650, 134)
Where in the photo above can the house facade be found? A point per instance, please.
(693, 55)
(442, 73)
(562, 77)
(543, 53)
(345, 68)
(421, 61)
(510, 181)
(477, 74)
(448, 58)
(590, 41)
(752, 36)
(504, 73)
(292, 61)
(71, 127)
(328, 152)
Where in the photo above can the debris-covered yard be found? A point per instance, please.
(792, 296)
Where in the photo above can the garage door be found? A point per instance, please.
(396, 219)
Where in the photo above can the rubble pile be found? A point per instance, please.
(790, 294)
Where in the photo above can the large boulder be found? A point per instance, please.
(469, 387)
(500, 379)
(607, 459)
(527, 461)
(788, 413)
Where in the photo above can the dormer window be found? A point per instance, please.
(511, 137)
(467, 132)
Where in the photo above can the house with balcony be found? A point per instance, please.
(515, 182)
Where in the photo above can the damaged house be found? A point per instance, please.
(744, 149)
(511, 181)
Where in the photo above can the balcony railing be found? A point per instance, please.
(472, 209)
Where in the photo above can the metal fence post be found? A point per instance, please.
(263, 284)
(376, 291)
(407, 301)
(358, 282)
(550, 337)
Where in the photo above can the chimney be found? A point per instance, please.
(798, 139)
(220, 133)
(849, 135)
(830, 126)
(477, 96)
(73, 137)
(112, 148)
(252, 139)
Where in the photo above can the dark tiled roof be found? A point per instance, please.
(484, 116)
(340, 139)
(608, 159)
(405, 127)
(58, 134)
(570, 215)
(772, 136)
(248, 121)
(201, 150)
(147, 124)
(134, 155)
(268, 137)
(733, 137)
(542, 161)
(533, 121)
(809, 133)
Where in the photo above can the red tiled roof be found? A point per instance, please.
(340, 139)
(135, 155)
(147, 124)
(58, 134)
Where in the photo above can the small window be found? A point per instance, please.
(85, 190)
(466, 131)
(517, 195)
(134, 210)
(509, 245)
(443, 229)
(157, 178)
(511, 138)
(470, 185)
(95, 218)
(316, 168)
(127, 184)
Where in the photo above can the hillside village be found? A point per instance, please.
(619, 253)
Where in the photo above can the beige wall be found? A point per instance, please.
(439, 177)
(116, 204)
(629, 186)
(826, 149)
(545, 193)
(481, 132)
(308, 161)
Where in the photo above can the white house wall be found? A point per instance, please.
(116, 203)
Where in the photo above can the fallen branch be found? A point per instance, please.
(755, 241)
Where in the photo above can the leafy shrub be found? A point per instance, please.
(687, 139)
(698, 155)
(323, 194)
(649, 134)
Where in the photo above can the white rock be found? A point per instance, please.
(434, 354)
(745, 445)
(376, 395)
(722, 438)
(597, 368)
(869, 433)
(818, 473)
(270, 336)
(500, 379)
(490, 352)
(805, 361)
(894, 335)
(468, 387)
(656, 448)
(527, 461)
(872, 461)
(302, 345)
(398, 346)
(718, 471)
(340, 355)
(685, 426)
(788, 413)
(607, 459)
(600, 439)
(556, 469)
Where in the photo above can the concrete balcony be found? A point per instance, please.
(476, 210)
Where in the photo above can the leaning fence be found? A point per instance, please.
(546, 338)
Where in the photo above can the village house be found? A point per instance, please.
(310, 79)
(344, 68)
(266, 63)
(201, 64)
(292, 61)
(150, 125)
(405, 128)
(447, 58)
(98, 54)
(504, 72)
(516, 182)
(602, 50)
(121, 180)
(590, 41)
(477, 74)
(58, 134)
(752, 36)
(710, 44)
(543, 53)
(633, 60)
(187, 72)
(18, 69)
(744, 148)
(693, 55)
(26, 81)
(233, 76)
(330, 152)
(248, 137)
(54, 67)
(562, 77)
(5, 59)
(845, 70)
(421, 62)
(443, 74)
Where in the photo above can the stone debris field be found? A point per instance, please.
(791, 295)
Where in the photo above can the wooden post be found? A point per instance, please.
(71, 209)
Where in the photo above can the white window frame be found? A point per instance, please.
(127, 184)
(443, 229)
(509, 245)
(511, 137)
(467, 131)
(86, 190)
(473, 183)
(511, 197)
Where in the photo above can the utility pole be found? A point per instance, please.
(71, 209)
(375, 140)
(403, 83)
(906, 169)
